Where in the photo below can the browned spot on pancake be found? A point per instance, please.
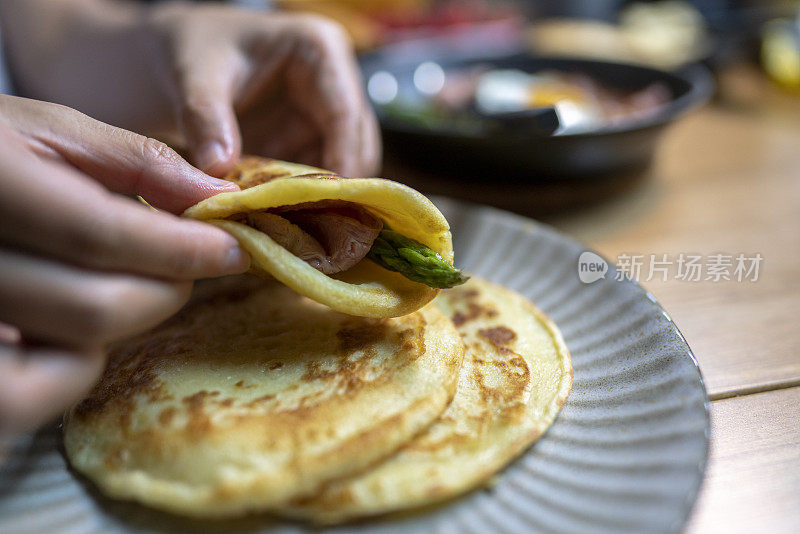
(459, 318)
(458, 356)
(346, 371)
(199, 422)
(474, 311)
(314, 371)
(310, 400)
(412, 340)
(360, 334)
(406, 335)
(353, 364)
(226, 403)
(166, 416)
(114, 459)
(462, 293)
(275, 365)
(158, 395)
(197, 401)
(129, 373)
(508, 399)
(258, 178)
(469, 293)
(498, 335)
(262, 398)
(251, 172)
(239, 384)
(248, 177)
(199, 398)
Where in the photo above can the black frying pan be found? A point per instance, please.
(519, 154)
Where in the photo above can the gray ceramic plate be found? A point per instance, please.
(626, 454)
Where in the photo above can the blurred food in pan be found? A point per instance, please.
(664, 34)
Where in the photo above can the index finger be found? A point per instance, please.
(123, 161)
(51, 209)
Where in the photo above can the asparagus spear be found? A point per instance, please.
(414, 260)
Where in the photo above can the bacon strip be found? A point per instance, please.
(331, 236)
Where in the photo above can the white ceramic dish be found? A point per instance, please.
(626, 454)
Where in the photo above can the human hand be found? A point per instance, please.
(291, 80)
(80, 266)
(280, 85)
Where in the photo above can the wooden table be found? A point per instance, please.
(726, 180)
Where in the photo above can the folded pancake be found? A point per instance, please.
(311, 230)
(515, 377)
(253, 395)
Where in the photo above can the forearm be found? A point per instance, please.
(87, 54)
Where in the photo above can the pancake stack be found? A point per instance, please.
(256, 398)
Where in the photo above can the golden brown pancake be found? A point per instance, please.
(254, 395)
(364, 289)
(515, 377)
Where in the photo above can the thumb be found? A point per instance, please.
(207, 118)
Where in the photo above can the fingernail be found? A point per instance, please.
(221, 185)
(210, 155)
(237, 261)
